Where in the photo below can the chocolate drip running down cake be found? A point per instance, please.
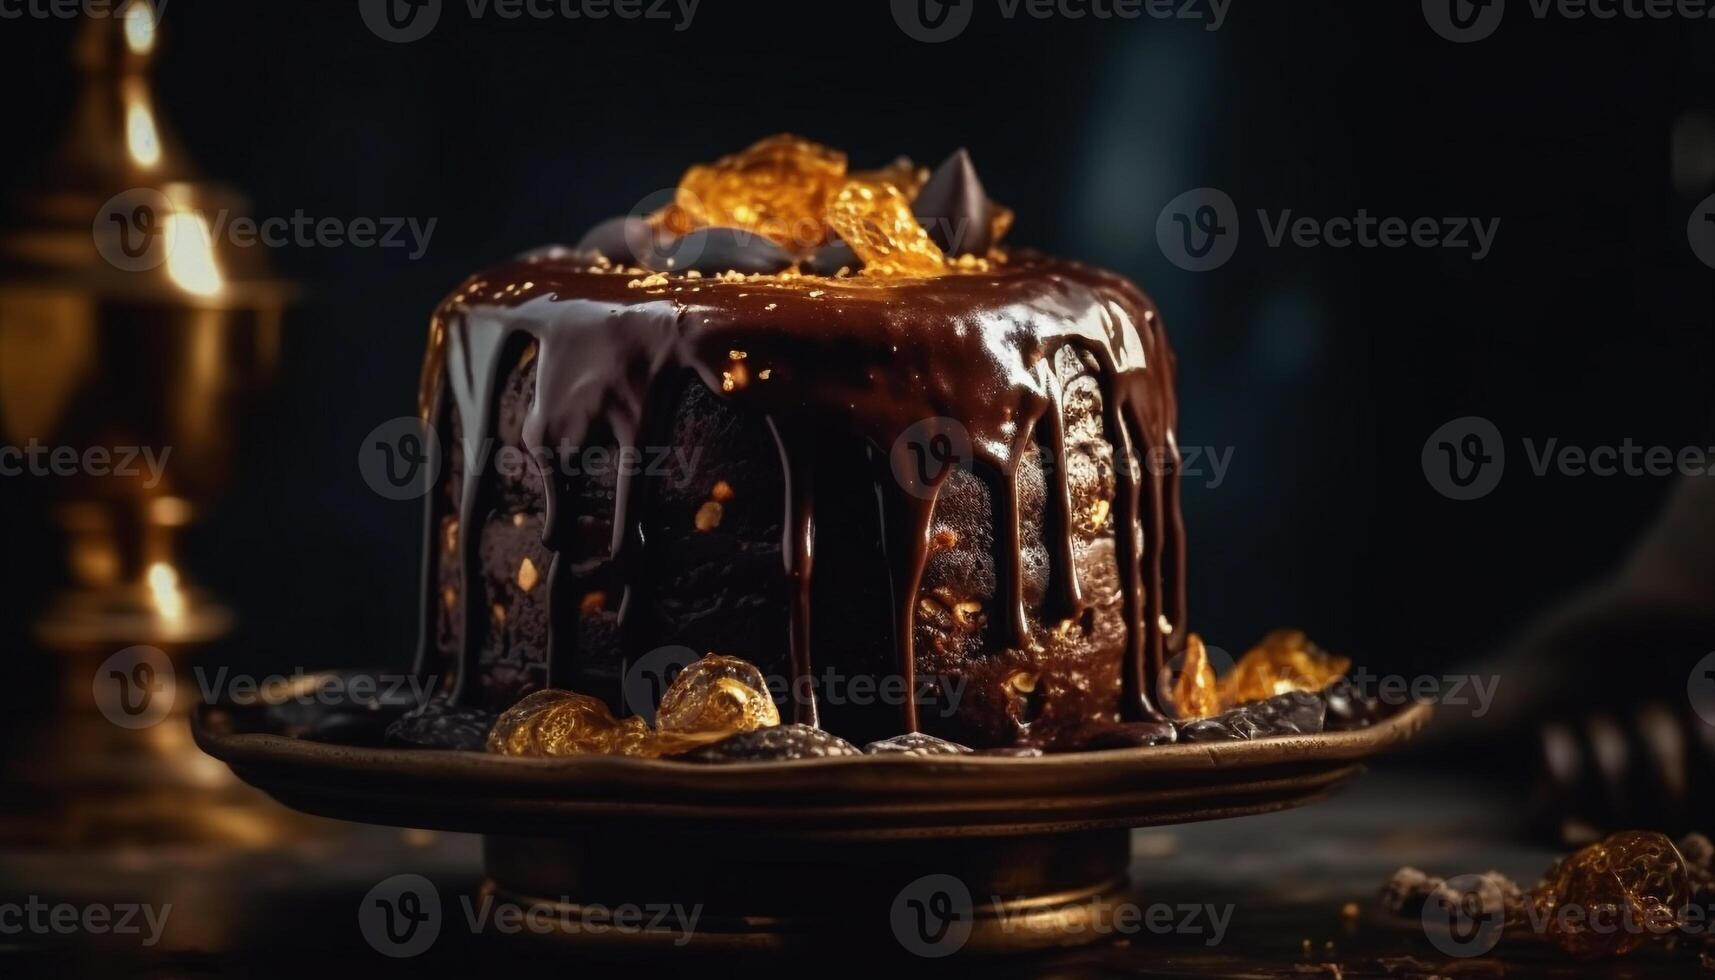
(872, 483)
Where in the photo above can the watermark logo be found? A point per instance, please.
(1464, 21)
(144, 463)
(1198, 230)
(35, 916)
(648, 677)
(933, 21)
(400, 21)
(405, 21)
(401, 917)
(926, 454)
(135, 688)
(132, 11)
(400, 459)
(1700, 687)
(143, 229)
(1466, 917)
(1701, 231)
(933, 916)
(1464, 459)
(1474, 691)
(132, 233)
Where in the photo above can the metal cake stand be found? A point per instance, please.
(783, 855)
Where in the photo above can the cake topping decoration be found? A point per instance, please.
(717, 693)
(711, 700)
(957, 212)
(788, 202)
(1283, 662)
(875, 219)
(1195, 693)
(778, 188)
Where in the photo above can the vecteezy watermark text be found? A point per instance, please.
(1200, 230)
(934, 916)
(404, 21)
(648, 677)
(934, 21)
(142, 229)
(401, 917)
(1474, 691)
(77, 9)
(401, 459)
(307, 687)
(137, 687)
(1465, 458)
(34, 916)
(1465, 21)
(124, 462)
(927, 453)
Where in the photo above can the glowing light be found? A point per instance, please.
(190, 255)
(140, 26)
(141, 136)
(163, 582)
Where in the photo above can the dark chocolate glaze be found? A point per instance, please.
(828, 364)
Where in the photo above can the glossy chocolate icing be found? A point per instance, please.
(865, 358)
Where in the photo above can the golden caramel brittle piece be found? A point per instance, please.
(1283, 662)
(717, 694)
(553, 723)
(779, 188)
(1195, 693)
(1614, 896)
(875, 219)
(901, 173)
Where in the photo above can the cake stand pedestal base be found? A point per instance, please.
(645, 890)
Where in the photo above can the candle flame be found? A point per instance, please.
(163, 582)
(190, 254)
(141, 137)
(140, 26)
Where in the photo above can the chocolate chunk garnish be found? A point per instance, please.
(712, 251)
(831, 258)
(1294, 713)
(438, 725)
(915, 743)
(954, 209)
(1349, 707)
(625, 240)
(1125, 735)
(776, 744)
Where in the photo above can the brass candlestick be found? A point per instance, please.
(127, 329)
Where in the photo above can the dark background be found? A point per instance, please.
(1324, 370)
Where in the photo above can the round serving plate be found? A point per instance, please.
(779, 854)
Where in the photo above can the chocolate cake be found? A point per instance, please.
(959, 486)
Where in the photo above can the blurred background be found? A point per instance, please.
(1591, 320)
